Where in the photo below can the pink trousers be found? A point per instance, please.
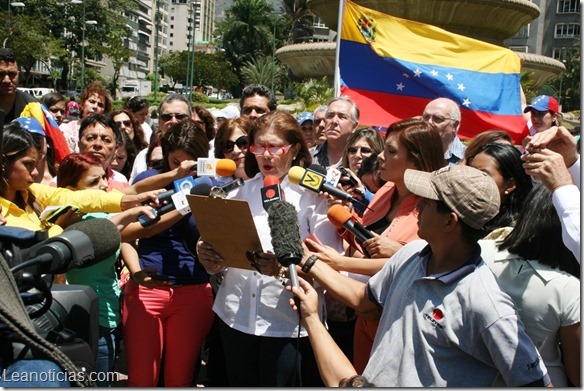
(365, 331)
(173, 321)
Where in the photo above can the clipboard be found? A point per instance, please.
(228, 226)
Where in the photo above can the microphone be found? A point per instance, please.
(205, 167)
(178, 199)
(341, 218)
(212, 167)
(271, 192)
(313, 179)
(285, 232)
(81, 245)
(221, 191)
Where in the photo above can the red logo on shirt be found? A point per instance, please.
(437, 314)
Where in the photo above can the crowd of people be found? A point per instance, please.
(469, 275)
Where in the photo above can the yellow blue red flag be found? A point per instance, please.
(392, 67)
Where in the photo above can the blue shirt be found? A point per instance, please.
(455, 152)
(172, 252)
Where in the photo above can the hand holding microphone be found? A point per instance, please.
(341, 218)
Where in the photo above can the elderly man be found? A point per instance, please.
(12, 101)
(444, 319)
(445, 115)
(341, 119)
(173, 108)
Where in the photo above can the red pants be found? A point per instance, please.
(365, 331)
(174, 320)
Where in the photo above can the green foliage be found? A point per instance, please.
(49, 29)
(569, 82)
(259, 71)
(314, 93)
(200, 97)
(527, 82)
(246, 33)
(301, 28)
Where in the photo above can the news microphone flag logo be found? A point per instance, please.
(312, 180)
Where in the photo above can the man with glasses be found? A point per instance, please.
(445, 115)
(173, 108)
(256, 100)
(12, 101)
(341, 119)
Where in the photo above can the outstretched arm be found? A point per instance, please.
(332, 363)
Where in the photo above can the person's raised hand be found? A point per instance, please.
(211, 260)
(381, 246)
(307, 296)
(548, 167)
(148, 197)
(558, 139)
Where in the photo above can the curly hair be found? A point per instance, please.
(96, 87)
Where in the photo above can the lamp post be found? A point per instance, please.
(563, 60)
(273, 53)
(15, 4)
(84, 24)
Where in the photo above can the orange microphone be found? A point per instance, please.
(341, 218)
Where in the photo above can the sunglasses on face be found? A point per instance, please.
(241, 143)
(124, 123)
(364, 150)
(169, 116)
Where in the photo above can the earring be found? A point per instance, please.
(506, 192)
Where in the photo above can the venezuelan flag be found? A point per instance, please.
(392, 67)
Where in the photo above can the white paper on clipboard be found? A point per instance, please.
(227, 225)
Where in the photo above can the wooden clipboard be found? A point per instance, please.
(228, 226)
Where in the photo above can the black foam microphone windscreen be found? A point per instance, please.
(104, 235)
(285, 232)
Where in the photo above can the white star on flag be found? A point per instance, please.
(434, 72)
(449, 76)
(400, 86)
(461, 87)
(406, 75)
(466, 102)
(417, 72)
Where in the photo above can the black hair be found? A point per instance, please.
(52, 98)
(510, 167)
(16, 142)
(136, 103)
(105, 120)
(538, 234)
(7, 55)
(469, 234)
(187, 136)
(261, 90)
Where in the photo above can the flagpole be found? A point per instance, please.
(337, 80)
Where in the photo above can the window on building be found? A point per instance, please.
(317, 22)
(567, 30)
(172, 18)
(521, 49)
(568, 6)
(523, 32)
(561, 54)
(171, 44)
(171, 35)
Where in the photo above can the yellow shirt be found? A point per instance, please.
(86, 200)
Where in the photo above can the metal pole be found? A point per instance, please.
(83, 50)
(273, 53)
(192, 54)
(156, 23)
(562, 59)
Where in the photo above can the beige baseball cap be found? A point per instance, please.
(470, 193)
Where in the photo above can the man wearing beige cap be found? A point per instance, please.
(444, 320)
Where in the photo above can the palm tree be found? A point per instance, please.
(246, 32)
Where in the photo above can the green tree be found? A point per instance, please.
(246, 32)
(301, 28)
(174, 65)
(313, 93)
(569, 83)
(259, 71)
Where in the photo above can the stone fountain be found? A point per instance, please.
(491, 21)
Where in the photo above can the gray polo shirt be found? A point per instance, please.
(455, 329)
